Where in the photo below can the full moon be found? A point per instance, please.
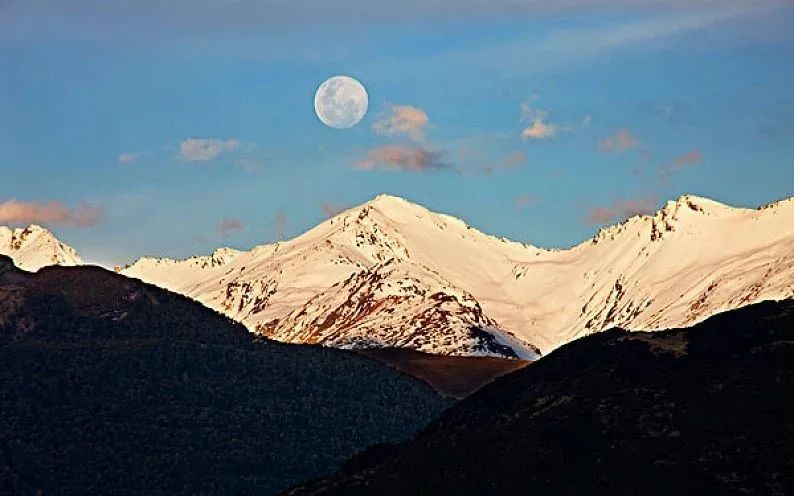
(341, 102)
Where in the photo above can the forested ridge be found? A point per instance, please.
(110, 385)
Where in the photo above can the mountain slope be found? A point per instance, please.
(34, 247)
(692, 259)
(706, 410)
(112, 386)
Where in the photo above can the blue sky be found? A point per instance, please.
(538, 121)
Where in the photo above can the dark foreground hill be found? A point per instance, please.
(112, 386)
(708, 410)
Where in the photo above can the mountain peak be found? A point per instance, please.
(389, 199)
(390, 204)
(34, 247)
(697, 204)
(34, 228)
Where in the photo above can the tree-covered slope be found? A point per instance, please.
(112, 386)
(707, 410)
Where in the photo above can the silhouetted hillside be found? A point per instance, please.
(708, 410)
(112, 386)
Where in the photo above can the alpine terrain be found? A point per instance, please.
(34, 247)
(390, 273)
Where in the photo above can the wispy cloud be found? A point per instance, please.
(599, 39)
(586, 120)
(229, 225)
(234, 15)
(644, 23)
(511, 161)
(620, 209)
(402, 119)
(619, 143)
(204, 149)
(690, 158)
(51, 213)
(128, 158)
(538, 128)
(522, 202)
(398, 157)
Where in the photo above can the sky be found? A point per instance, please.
(170, 128)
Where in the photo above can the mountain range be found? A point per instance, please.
(393, 274)
(197, 375)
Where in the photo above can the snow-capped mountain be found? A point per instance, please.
(392, 273)
(34, 247)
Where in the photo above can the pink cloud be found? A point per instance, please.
(403, 119)
(621, 209)
(229, 225)
(619, 143)
(52, 213)
(399, 157)
(538, 127)
(538, 130)
(511, 161)
(687, 159)
(523, 201)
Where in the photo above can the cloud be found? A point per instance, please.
(232, 16)
(589, 41)
(401, 158)
(619, 143)
(523, 201)
(128, 158)
(204, 149)
(621, 209)
(587, 120)
(537, 129)
(52, 213)
(332, 209)
(690, 158)
(229, 225)
(250, 165)
(511, 161)
(402, 119)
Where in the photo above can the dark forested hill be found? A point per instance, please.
(112, 386)
(706, 410)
